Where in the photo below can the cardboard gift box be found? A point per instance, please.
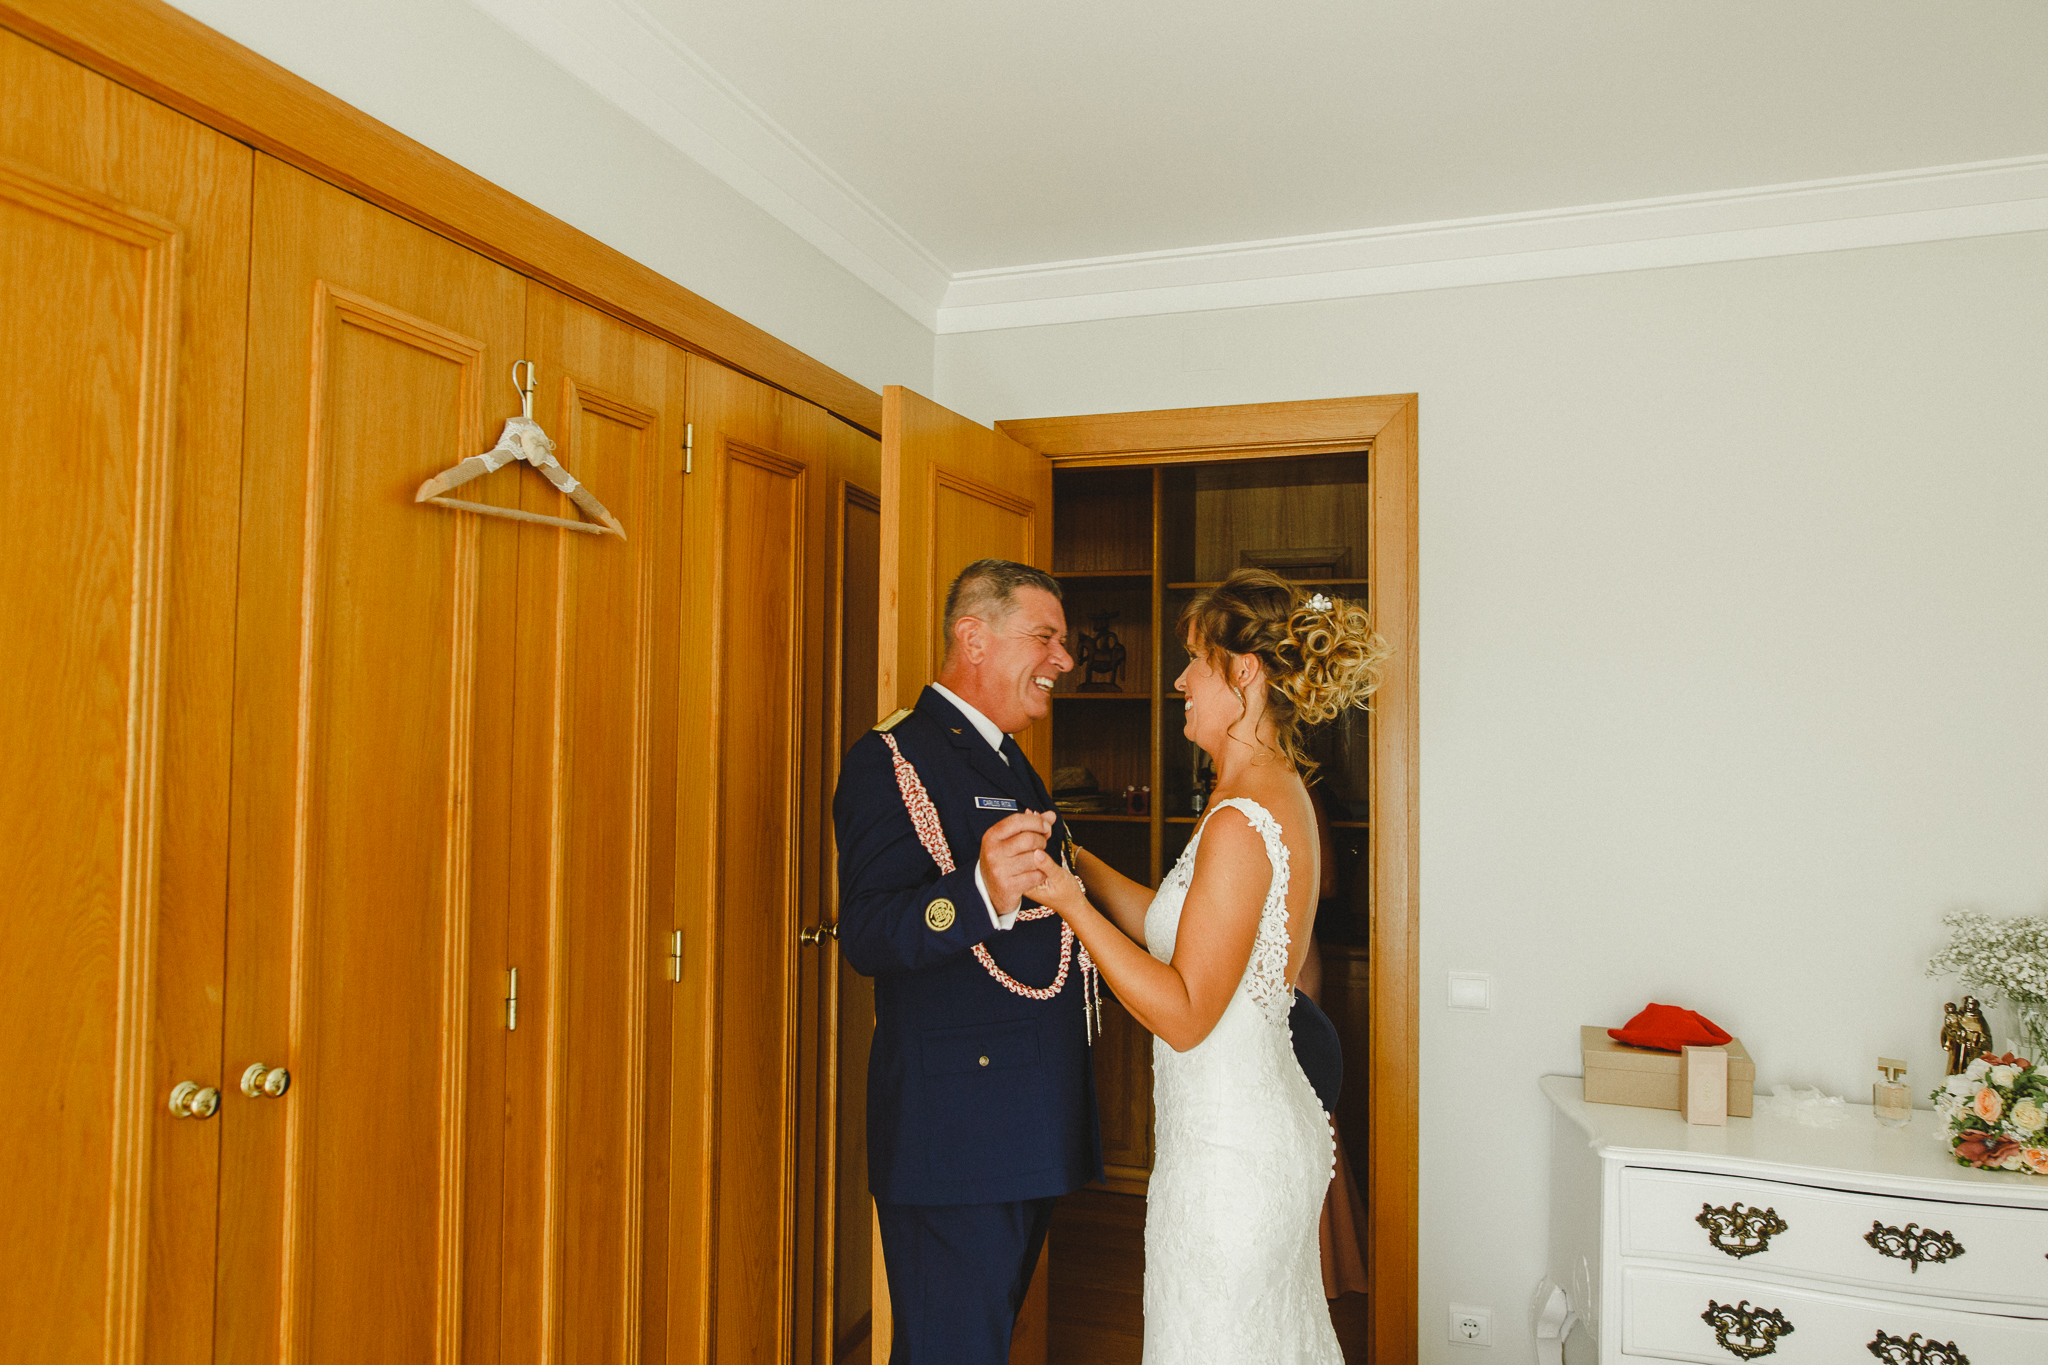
(1619, 1074)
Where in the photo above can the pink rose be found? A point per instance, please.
(1987, 1105)
(2035, 1159)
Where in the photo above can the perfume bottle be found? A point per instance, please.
(1890, 1100)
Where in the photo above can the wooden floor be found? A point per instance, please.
(1097, 1250)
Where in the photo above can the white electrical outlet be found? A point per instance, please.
(1471, 1326)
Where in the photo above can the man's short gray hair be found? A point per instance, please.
(987, 590)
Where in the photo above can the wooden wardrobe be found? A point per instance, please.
(484, 842)
(418, 939)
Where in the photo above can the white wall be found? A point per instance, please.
(1734, 616)
(446, 75)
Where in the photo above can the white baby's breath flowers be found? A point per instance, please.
(2007, 958)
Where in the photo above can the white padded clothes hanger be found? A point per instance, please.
(522, 439)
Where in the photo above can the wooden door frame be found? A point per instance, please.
(1386, 428)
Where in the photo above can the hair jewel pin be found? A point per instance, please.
(1319, 603)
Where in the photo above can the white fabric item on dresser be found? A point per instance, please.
(1233, 1270)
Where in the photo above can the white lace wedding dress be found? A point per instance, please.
(1233, 1271)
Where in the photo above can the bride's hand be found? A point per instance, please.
(1061, 890)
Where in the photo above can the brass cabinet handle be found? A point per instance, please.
(1744, 1331)
(1913, 1351)
(260, 1081)
(1739, 1231)
(817, 933)
(191, 1100)
(1913, 1244)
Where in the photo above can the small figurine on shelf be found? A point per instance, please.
(1964, 1034)
(1101, 654)
(1955, 1039)
(1978, 1029)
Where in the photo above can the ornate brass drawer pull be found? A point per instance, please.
(1913, 1351)
(1740, 1231)
(1744, 1331)
(1913, 1244)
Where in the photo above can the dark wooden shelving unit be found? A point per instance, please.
(1191, 524)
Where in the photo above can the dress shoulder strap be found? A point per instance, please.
(1266, 974)
(1261, 820)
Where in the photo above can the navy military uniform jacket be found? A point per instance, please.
(975, 1094)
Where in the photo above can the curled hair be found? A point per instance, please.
(1317, 662)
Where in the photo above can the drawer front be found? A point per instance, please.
(1864, 1242)
(1680, 1315)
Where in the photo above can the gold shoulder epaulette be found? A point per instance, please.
(892, 721)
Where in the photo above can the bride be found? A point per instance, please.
(1232, 1272)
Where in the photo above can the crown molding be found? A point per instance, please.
(630, 59)
(1974, 200)
(627, 56)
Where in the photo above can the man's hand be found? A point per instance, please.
(1011, 857)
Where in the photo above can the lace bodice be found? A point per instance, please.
(1233, 1273)
(1265, 976)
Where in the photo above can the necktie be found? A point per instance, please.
(1014, 756)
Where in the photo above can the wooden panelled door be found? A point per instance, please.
(360, 1209)
(593, 850)
(835, 1236)
(123, 280)
(953, 491)
(751, 824)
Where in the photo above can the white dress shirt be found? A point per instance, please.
(986, 728)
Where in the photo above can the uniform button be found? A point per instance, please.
(984, 1061)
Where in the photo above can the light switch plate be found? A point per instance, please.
(1472, 991)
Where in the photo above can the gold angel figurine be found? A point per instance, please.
(1980, 1032)
(1955, 1038)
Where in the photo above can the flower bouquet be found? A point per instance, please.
(1992, 1115)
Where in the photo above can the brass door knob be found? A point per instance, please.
(190, 1100)
(817, 933)
(260, 1080)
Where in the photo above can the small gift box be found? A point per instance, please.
(1649, 1079)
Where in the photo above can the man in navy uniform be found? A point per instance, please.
(981, 1098)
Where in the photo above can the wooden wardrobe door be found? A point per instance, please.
(751, 821)
(593, 850)
(123, 280)
(953, 491)
(838, 1004)
(372, 733)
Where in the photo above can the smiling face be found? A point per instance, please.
(1209, 705)
(1004, 668)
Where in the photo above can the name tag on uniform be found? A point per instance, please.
(994, 803)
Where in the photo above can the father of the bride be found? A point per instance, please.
(981, 1101)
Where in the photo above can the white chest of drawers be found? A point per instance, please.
(1767, 1240)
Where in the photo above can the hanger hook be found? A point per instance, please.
(525, 389)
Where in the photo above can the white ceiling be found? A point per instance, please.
(985, 137)
(1006, 134)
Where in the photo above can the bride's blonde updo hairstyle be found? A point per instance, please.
(1318, 662)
